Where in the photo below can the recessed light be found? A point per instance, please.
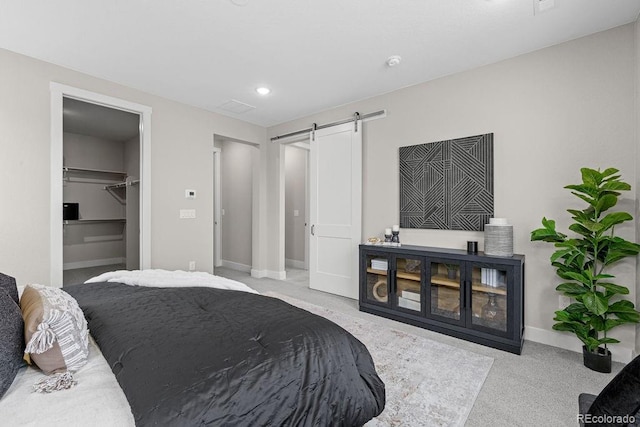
(263, 91)
(393, 60)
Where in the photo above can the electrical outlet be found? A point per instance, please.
(187, 213)
(563, 301)
(192, 265)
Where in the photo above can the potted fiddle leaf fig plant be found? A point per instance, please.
(583, 262)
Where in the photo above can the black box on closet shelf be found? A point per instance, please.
(70, 211)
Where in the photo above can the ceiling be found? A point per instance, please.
(85, 118)
(313, 54)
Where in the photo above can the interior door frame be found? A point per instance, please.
(58, 92)
(217, 210)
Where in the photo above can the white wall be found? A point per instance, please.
(552, 112)
(295, 163)
(236, 179)
(182, 142)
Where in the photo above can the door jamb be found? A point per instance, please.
(217, 223)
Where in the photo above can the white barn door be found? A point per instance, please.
(335, 209)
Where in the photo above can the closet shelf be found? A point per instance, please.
(92, 221)
(98, 171)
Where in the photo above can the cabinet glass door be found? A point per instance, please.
(445, 290)
(408, 279)
(489, 297)
(376, 280)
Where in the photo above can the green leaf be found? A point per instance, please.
(594, 227)
(560, 254)
(613, 219)
(612, 323)
(622, 305)
(572, 289)
(614, 289)
(590, 200)
(616, 186)
(608, 340)
(580, 229)
(608, 172)
(597, 323)
(606, 202)
(578, 277)
(591, 343)
(576, 309)
(591, 176)
(595, 303)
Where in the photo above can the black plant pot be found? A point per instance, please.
(599, 361)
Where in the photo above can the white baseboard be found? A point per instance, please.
(294, 263)
(258, 274)
(619, 353)
(93, 263)
(277, 275)
(236, 266)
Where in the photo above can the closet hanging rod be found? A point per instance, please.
(122, 184)
(326, 125)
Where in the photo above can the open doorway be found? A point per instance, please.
(137, 162)
(235, 181)
(101, 177)
(296, 171)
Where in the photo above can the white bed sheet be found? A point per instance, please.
(97, 399)
(171, 279)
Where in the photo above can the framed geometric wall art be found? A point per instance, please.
(447, 185)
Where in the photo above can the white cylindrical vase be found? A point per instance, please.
(498, 237)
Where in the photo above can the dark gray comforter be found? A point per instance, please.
(202, 356)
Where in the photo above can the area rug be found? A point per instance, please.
(427, 383)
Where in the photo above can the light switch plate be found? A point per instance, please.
(190, 194)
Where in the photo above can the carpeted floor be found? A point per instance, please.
(538, 388)
(419, 393)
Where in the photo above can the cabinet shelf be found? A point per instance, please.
(400, 274)
(443, 280)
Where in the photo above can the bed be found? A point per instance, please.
(190, 354)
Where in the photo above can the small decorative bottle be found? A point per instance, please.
(395, 231)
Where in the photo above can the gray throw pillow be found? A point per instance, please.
(11, 341)
(8, 284)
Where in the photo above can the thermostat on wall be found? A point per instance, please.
(190, 194)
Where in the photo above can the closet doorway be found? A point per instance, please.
(101, 177)
(100, 193)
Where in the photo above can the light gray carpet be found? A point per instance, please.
(427, 383)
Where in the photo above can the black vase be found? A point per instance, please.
(599, 361)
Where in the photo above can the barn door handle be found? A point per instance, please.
(313, 226)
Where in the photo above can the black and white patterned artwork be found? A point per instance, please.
(447, 185)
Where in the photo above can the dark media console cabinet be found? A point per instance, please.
(475, 297)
